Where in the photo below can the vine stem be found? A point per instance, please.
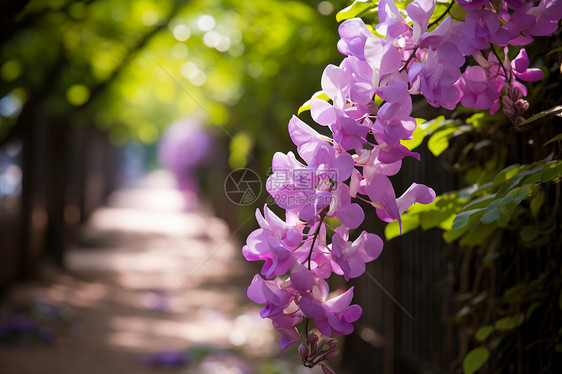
(408, 60)
(500, 61)
(309, 257)
(442, 15)
(322, 216)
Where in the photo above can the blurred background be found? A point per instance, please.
(121, 224)
(119, 123)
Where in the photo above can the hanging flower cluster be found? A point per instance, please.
(368, 117)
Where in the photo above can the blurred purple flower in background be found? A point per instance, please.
(184, 148)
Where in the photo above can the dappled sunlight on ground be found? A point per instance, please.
(148, 285)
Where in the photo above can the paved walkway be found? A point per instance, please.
(150, 288)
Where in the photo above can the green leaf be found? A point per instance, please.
(551, 171)
(517, 179)
(555, 50)
(506, 174)
(441, 212)
(433, 124)
(557, 138)
(558, 347)
(457, 12)
(478, 119)
(462, 219)
(491, 215)
(521, 193)
(357, 9)
(537, 203)
(509, 323)
(515, 294)
(528, 233)
(475, 359)
(439, 141)
(409, 223)
(483, 332)
(477, 235)
(556, 110)
(482, 202)
(306, 106)
(392, 230)
(417, 136)
(494, 248)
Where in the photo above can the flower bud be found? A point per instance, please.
(331, 354)
(303, 351)
(312, 342)
(332, 343)
(326, 369)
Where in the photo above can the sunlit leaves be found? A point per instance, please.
(244, 64)
(11, 70)
(439, 132)
(240, 147)
(77, 94)
(440, 141)
(357, 9)
(503, 195)
(463, 218)
(306, 106)
(439, 213)
(417, 136)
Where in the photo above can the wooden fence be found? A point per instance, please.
(405, 296)
(54, 176)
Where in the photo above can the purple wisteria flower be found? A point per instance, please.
(354, 34)
(393, 25)
(273, 242)
(367, 117)
(478, 91)
(482, 27)
(472, 4)
(351, 257)
(420, 12)
(520, 67)
(436, 81)
(335, 315)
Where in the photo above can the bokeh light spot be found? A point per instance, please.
(77, 94)
(206, 22)
(181, 33)
(211, 38)
(325, 8)
(10, 105)
(240, 147)
(199, 78)
(188, 69)
(148, 133)
(255, 69)
(180, 50)
(11, 70)
(150, 17)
